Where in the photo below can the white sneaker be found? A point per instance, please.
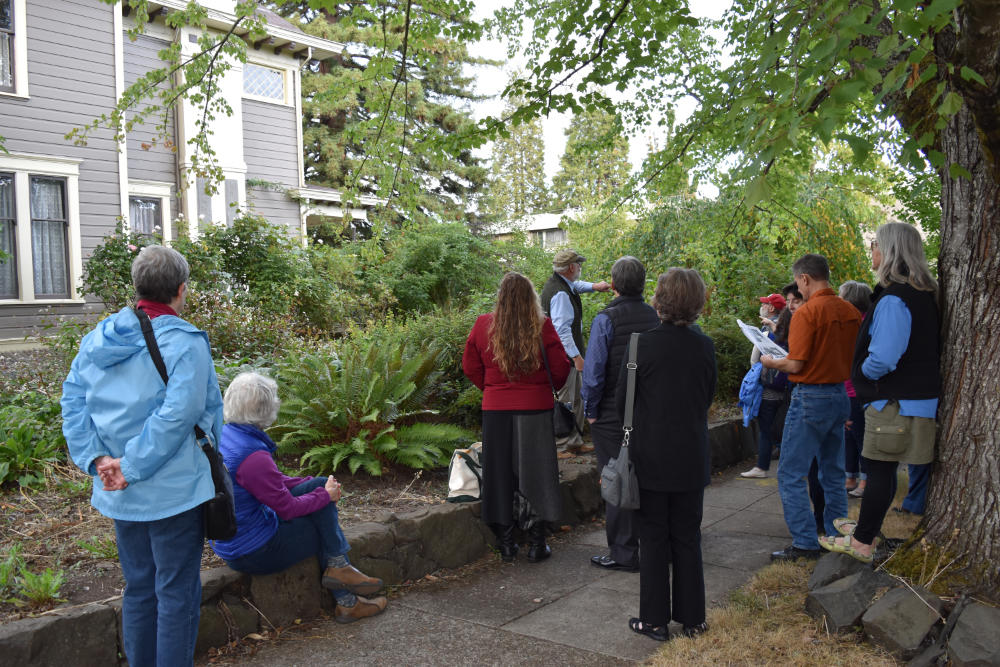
(754, 472)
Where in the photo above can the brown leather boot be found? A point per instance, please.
(363, 608)
(351, 579)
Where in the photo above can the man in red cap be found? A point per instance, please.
(770, 307)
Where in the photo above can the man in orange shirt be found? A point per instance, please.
(820, 348)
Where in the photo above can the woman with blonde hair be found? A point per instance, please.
(503, 357)
(896, 374)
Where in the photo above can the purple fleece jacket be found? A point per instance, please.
(259, 475)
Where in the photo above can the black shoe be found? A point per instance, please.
(695, 630)
(904, 512)
(538, 552)
(505, 542)
(659, 633)
(792, 552)
(609, 563)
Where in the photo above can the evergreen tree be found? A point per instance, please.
(388, 116)
(517, 176)
(595, 163)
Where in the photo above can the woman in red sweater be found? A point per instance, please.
(503, 357)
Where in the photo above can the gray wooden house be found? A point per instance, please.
(64, 63)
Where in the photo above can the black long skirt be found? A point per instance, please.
(519, 452)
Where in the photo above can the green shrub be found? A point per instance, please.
(101, 547)
(10, 565)
(107, 273)
(31, 440)
(357, 408)
(236, 328)
(732, 354)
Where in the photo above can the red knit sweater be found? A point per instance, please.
(531, 392)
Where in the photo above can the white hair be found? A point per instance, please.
(903, 259)
(251, 398)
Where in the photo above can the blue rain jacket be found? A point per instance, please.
(115, 404)
(751, 393)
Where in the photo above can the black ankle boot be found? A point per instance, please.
(539, 550)
(505, 542)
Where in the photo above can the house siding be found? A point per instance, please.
(148, 161)
(71, 80)
(270, 149)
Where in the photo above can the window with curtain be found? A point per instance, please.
(48, 237)
(8, 245)
(6, 45)
(145, 215)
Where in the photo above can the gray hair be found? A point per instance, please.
(251, 398)
(814, 266)
(629, 276)
(680, 296)
(903, 259)
(158, 272)
(857, 294)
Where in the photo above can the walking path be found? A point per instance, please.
(561, 611)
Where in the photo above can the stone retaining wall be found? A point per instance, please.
(396, 548)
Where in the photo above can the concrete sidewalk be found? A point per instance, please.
(561, 611)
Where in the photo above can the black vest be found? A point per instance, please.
(918, 372)
(557, 283)
(628, 315)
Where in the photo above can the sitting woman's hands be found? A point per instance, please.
(333, 488)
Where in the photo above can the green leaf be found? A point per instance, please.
(951, 104)
(970, 74)
(861, 148)
(758, 190)
(957, 171)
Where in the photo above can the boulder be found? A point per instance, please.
(369, 539)
(834, 566)
(217, 579)
(843, 602)
(82, 636)
(976, 637)
(900, 620)
(386, 569)
(451, 537)
(288, 595)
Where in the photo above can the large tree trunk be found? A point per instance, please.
(963, 512)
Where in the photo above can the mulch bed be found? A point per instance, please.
(57, 528)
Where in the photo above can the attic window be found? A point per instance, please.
(263, 82)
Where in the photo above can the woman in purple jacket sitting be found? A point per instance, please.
(282, 520)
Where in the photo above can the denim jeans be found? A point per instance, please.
(161, 561)
(765, 423)
(317, 534)
(814, 428)
(916, 496)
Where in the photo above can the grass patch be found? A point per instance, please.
(765, 623)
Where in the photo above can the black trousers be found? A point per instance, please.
(879, 492)
(622, 528)
(670, 534)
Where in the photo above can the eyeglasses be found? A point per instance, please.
(874, 245)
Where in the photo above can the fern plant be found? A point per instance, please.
(356, 409)
(27, 451)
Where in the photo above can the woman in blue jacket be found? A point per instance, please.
(135, 436)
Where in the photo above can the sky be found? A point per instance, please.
(491, 81)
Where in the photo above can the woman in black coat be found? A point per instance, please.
(675, 383)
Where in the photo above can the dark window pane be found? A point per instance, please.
(8, 245)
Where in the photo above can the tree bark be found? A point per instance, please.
(963, 509)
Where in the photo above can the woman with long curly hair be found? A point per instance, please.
(503, 357)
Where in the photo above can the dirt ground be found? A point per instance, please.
(57, 528)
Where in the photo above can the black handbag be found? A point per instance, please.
(563, 417)
(220, 511)
(619, 483)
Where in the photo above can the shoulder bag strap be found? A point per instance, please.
(154, 352)
(633, 352)
(545, 362)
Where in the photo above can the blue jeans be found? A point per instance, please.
(317, 534)
(814, 428)
(161, 561)
(916, 497)
(765, 423)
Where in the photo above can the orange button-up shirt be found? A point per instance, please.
(822, 334)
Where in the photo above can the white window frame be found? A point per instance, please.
(286, 80)
(154, 190)
(24, 166)
(20, 51)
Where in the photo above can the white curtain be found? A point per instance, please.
(144, 215)
(8, 266)
(6, 38)
(48, 237)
